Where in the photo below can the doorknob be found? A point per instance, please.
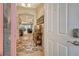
(76, 43)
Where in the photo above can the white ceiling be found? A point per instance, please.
(32, 5)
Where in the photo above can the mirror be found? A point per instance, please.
(25, 28)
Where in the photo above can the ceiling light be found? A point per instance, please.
(28, 5)
(23, 5)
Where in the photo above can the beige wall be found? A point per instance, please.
(22, 10)
(39, 11)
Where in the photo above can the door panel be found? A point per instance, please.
(61, 20)
(51, 46)
(62, 29)
(62, 50)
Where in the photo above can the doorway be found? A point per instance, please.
(27, 25)
(29, 29)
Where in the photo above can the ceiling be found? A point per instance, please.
(28, 5)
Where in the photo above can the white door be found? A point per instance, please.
(60, 20)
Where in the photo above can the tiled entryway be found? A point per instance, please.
(26, 47)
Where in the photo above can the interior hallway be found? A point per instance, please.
(29, 30)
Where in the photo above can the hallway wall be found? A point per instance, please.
(39, 10)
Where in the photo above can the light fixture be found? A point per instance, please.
(28, 5)
(23, 5)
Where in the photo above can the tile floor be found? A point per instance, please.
(26, 47)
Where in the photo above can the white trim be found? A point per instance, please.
(58, 44)
(51, 18)
(45, 30)
(58, 17)
(66, 17)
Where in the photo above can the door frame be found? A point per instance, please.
(46, 51)
(1, 29)
(13, 29)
